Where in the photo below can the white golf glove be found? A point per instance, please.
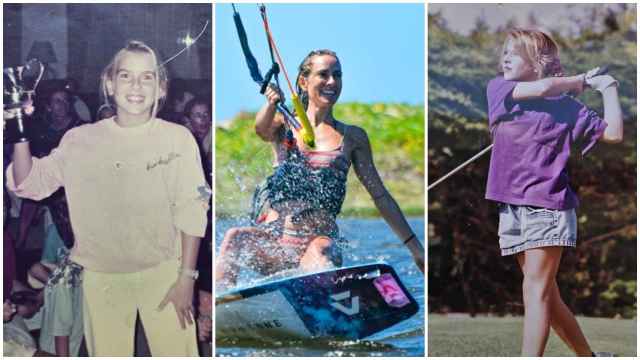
(600, 82)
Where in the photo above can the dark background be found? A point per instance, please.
(85, 37)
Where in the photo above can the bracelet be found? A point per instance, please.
(413, 236)
(193, 274)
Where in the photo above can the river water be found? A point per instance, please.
(370, 240)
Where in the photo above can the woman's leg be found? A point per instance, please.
(563, 321)
(226, 261)
(244, 246)
(540, 268)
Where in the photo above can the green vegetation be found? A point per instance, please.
(396, 133)
(466, 271)
(466, 336)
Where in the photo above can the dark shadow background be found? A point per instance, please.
(84, 37)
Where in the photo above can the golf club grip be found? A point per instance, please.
(602, 70)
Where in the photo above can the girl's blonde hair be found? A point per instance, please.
(537, 48)
(138, 47)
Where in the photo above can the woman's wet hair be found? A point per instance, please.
(537, 48)
(137, 47)
(305, 69)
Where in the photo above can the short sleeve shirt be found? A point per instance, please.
(532, 143)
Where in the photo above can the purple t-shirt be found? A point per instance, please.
(532, 142)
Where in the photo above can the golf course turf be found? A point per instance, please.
(462, 335)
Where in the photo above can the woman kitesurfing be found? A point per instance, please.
(295, 209)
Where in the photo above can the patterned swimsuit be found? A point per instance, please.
(316, 182)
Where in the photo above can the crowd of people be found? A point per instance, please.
(56, 257)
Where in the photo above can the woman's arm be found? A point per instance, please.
(22, 162)
(386, 204)
(268, 124)
(21, 151)
(612, 116)
(181, 292)
(607, 86)
(49, 177)
(551, 86)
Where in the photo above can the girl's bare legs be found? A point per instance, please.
(256, 248)
(539, 269)
(564, 323)
(544, 306)
(238, 243)
(226, 261)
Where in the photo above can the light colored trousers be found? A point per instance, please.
(112, 301)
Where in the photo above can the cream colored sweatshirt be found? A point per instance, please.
(131, 191)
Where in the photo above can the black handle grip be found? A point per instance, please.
(602, 70)
(275, 70)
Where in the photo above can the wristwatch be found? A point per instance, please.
(193, 274)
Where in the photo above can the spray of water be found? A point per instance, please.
(292, 179)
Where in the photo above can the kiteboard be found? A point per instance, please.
(347, 303)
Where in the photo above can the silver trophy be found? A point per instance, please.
(20, 84)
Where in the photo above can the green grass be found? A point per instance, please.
(501, 336)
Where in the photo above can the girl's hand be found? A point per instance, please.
(180, 294)
(600, 82)
(591, 73)
(9, 114)
(9, 309)
(273, 94)
(27, 106)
